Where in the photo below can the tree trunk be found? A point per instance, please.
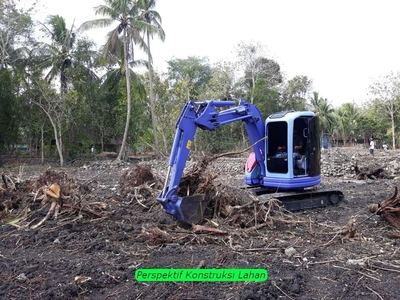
(57, 135)
(128, 100)
(393, 132)
(152, 106)
(42, 145)
(252, 89)
(165, 142)
(57, 129)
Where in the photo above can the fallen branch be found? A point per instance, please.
(93, 177)
(374, 292)
(86, 210)
(274, 284)
(201, 228)
(8, 182)
(49, 213)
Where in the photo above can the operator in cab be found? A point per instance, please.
(298, 144)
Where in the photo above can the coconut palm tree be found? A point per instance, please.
(56, 56)
(152, 17)
(348, 115)
(324, 110)
(125, 13)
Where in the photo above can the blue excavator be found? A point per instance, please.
(277, 168)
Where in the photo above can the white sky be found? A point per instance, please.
(342, 45)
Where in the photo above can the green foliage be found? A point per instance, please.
(189, 76)
(224, 139)
(221, 83)
(133, 18)
(8, 110)
(167, 112)
(295, 93)
(57, 56)
(15, 30)
(324, 111)
(376, 123)
(266, 98)
(386, 91)
(348, 116)
(266, 69)
(256, 66)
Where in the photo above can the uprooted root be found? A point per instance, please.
(241, 208)
(229, 205)
(54, 193)
(199, 180)
(388, 209)
(339, 232)
(139, 185)
(378, 173)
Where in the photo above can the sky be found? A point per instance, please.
(343, 46)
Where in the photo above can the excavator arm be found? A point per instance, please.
(206, 115)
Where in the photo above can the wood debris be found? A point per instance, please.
(388, 209)
(22, 202)
(138, 184)
(202, 228)
(374, 174)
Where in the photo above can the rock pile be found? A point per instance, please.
(336, 163)
(339, 162)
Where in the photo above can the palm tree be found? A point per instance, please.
(130, 26)
(151, 17)
(348, 117)
(57, 55)
(324, 110)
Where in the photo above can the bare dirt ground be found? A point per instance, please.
(109, 225)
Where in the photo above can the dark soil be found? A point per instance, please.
(110, 225)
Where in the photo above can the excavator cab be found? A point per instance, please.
(292, 154)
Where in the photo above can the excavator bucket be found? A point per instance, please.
(192, 208)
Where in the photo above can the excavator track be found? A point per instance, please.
(299, 200)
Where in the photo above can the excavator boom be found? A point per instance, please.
(206, 115)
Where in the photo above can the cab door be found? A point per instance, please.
(277, 160)
(314, 147)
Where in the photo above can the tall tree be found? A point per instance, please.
(189, 76)
(151, 17)
(8, 110)
(54, 107)
(295, 92)
(324, 111)
(221, 83)
(267, 69)
(386, 90)
(249, 55)
(348, 115)
(266, 98)
(15, 34)
(15, 30)
(130, 26)
(57, 55)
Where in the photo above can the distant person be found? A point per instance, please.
(385, 147)
(371, 146)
